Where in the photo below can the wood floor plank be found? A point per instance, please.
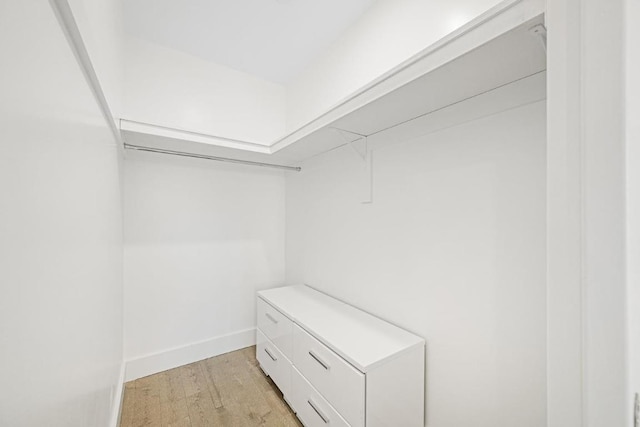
(146, 408)
(185, 422)
(226, 390)
(128, 405)
(232, 395)
(209, 367)
(202, 413)
(175, 389)
(175, 412)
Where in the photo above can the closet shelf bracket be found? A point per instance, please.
(540, 31)
(360, 145)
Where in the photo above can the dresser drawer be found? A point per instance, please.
(312, 409)
(273, 363)
(277, 327)
(338, 382)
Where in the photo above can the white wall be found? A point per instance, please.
(452, 248)
(60, 233)
(390, 32)
(633, 197)
(169, 88)
(200, 238)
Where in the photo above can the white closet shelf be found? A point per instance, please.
(500, 48)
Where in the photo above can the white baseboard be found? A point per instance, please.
(172, 358)
(116, 403)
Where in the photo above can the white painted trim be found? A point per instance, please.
(203, 138)
(565, 216)
(586, 359)
(116, 404)
(179, 356)
(64, 14)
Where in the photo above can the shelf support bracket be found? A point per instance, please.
(540, 31)
(360, 146)
(357, 141)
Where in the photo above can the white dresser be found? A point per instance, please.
(337, 365)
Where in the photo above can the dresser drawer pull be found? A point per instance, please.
(270, 355)
(270, 317)
(324, 364)
(320, 414)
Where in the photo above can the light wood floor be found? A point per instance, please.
(227, 390)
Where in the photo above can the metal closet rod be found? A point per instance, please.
(215, 158)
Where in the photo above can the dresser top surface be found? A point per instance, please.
(362, 339)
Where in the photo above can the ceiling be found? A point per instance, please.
(272, 39)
